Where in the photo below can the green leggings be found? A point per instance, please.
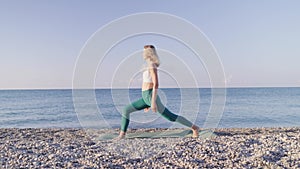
(145, 102)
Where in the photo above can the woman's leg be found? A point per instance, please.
(166, 113)
(135, 106)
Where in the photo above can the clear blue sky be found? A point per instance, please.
(257, 40)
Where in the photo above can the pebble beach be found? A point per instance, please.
(79, 148)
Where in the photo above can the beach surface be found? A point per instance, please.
(79, 148)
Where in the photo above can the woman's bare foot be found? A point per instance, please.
(195, 131)
(121, 136)
(146, 109)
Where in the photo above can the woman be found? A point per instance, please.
(150, 97)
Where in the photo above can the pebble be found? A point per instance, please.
(76, 148)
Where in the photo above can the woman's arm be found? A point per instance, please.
(154, 76)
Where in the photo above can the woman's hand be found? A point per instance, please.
(154, 107)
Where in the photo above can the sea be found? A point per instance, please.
(242, 108)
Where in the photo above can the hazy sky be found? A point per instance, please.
(257, 40)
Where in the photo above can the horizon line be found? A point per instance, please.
(228, 87)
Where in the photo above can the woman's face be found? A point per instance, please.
(146, 54)
(146, 50)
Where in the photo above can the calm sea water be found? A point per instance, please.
(245, 107)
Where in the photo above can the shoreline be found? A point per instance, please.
(76, 148)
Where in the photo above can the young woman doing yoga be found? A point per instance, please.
(150, 97)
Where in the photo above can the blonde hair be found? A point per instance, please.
(150, 53)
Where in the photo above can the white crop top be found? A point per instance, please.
(146, 74)
(147, 77)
